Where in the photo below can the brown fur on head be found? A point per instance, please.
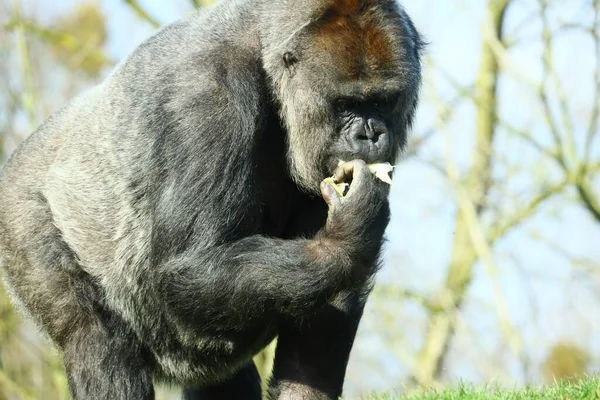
(351, 32)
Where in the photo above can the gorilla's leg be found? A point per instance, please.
(99, 364)
(245, 384)
(101, 358)
(102, 366)
(311, 359)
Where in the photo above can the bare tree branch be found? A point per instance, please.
(592, 130)
(483, 249)
(543, 89)
(394, 292)
(526, 136)
(415, 142)
(135, 6)
(509, 222)
(59, 38)
(588, 197)
(27, 97)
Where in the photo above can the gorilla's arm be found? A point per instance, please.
(253, 278)
(243, 281)
(312, 353)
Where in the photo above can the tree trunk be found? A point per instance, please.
(463, 256)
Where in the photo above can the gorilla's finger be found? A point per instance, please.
(329, 194)
(348, 170)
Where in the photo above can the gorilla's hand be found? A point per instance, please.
(365, 190)
(359, 218)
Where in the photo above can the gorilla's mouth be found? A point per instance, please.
(351, 147)
(370, 158)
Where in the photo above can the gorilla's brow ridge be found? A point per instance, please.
(349, 30)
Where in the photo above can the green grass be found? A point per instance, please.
(585, 389)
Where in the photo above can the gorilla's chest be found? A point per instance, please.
(290, 214)
(278, 204)
(286, 211)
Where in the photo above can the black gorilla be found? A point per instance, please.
(170, 222)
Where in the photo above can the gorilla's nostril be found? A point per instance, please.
(366, 130)
(373, 130)
(369, 135)
(369, 129)
(373, 135)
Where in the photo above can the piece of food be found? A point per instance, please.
(380, 170)
(340, 188)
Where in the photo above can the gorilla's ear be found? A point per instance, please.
(289, 60)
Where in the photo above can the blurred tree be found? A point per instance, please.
(76, 41)
(140, 12)
(565, 361)
(203, 3)
(86, 23)
(473, 238)
(10, 374)
(477, 184)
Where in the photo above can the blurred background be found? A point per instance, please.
(492, 266)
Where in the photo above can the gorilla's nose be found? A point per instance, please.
(369, 134)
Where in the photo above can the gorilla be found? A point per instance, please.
(169, 223)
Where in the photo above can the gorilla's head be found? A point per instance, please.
(346, 75)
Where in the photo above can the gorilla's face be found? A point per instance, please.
(349, 86)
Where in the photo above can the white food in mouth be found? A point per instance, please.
(380, 170)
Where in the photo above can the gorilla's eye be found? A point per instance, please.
(347, 104)
(382, 105)
(289, 60)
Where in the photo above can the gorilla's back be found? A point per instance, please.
(63, 171)
(79, 165)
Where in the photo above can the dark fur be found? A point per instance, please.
(167, 224)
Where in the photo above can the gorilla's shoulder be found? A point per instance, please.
(210, 44)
